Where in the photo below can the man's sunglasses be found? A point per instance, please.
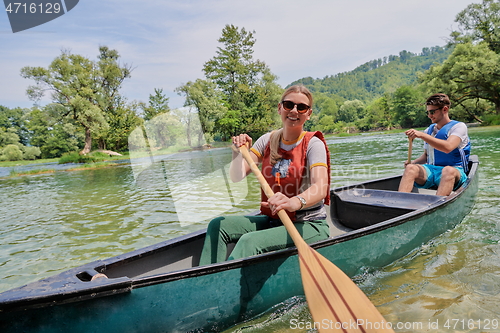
(432, 111)
(301, 107)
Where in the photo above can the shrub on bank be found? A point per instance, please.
(31, 153)
(75, 157)
(18, 152)
(491, 120)
(11, 153)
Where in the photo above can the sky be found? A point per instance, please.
(168, 41)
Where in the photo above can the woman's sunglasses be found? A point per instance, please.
(301, 107)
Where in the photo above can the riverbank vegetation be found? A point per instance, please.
(239, 94)
(75, 157)
(86, 166)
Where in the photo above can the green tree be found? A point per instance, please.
(207, 100)
(407, 105)
(53, 136)
(17, 152)
(479, 22)
(189, 120)
(157, 104)
(327, 104)
(379, 114)
(471, 73)
(249, 88)
(87, 90)
(8, 136)
(234, 66)
(164, 131)
(31, 153)
(351, 111)
(11, 153)
(121, 119)
(326, 124)
(230, 124)
(15, 118)
(12, 148)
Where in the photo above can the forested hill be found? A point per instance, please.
(377, 77)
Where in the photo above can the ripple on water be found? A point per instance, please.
(53, 222)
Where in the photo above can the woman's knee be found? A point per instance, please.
(250, 244)
(245, 247)
(215, 224)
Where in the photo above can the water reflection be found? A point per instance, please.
(198, 183)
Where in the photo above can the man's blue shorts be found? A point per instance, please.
(434, 176)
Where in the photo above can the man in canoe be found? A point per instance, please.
(296, 164)
(444, 163)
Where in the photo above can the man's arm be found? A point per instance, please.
(445, 146)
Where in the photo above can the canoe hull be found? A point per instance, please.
(213, 298)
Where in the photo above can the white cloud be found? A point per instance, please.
(168, 41)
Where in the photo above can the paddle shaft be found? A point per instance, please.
(410, 146)
(287, 222)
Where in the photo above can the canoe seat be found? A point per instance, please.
(358, 208)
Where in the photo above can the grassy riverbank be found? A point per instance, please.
(8, 164)
(96, 165)
(102, 163)
(107, 162)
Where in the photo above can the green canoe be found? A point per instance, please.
(161, 288)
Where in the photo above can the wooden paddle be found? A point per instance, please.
(335, 301)
(410, 146)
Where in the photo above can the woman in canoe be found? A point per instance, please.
(296, 164)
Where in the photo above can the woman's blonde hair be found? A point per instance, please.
(276, 136)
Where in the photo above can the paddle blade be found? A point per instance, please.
(336, 303)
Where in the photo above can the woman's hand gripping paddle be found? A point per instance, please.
(334, 300)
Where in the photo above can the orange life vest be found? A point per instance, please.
(287, 174)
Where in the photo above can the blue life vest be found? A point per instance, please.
(457, 157)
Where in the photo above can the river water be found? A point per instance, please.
(51, 222)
